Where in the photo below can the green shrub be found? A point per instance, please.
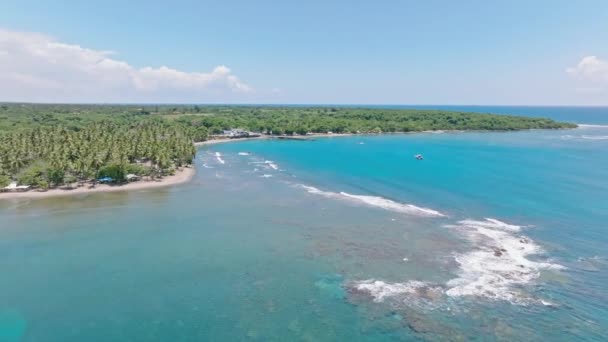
(138, 169)
(114, 171)
(34, 175)
(4, 181)
(55, 176)
(69, 179)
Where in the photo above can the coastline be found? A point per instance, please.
(228, 140)
(186, 174)
(268, 137)
(181, 176)
(338, 135)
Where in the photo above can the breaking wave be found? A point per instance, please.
(375, 201)
(595, 137)
(496, 268)
(271, 164)
(584, 137)
(379, 290)
(591, 126)
(218, 156)
(498, 264)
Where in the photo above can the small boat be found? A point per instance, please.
(419, 157)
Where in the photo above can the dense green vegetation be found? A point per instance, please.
(52, 156)
(45, 145)
(296, 120)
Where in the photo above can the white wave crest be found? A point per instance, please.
(218, 156)
(595, 137)
(375, 201)
(244, 154)
(266, 176)
(380, 290)
(207, 166)
(584, 137)
(498, 264)
(271, 164)
(591, 126)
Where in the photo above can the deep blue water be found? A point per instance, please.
(493, 236)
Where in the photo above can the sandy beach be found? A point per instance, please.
(227, 140)
(264, 137)
(181, 176)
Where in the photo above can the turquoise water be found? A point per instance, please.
(334, 239)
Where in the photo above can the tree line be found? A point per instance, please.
(296, 120)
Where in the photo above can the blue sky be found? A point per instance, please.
(382, 52)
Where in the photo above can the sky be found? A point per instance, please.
(468, 52)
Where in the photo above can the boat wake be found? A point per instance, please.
(497, 268)
(375, 201)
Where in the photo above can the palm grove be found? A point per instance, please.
(52, 156)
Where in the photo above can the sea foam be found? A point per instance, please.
(584, 137)
(498, 264)
(495, 269)
(380, 290)
(375, 201)
(595, 137)
(591, 126)
(218, 156)
(271, 164)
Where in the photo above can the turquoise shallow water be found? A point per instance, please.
(334, 239)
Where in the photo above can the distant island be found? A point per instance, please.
(53, 146)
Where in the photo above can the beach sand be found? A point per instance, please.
(309, 135)
(181, 176)
(227, 140)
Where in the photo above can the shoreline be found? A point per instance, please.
(339, 135)
(271, 137)
(180, 177)
(228, 140)
(187, 173)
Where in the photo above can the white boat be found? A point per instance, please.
(419, 157)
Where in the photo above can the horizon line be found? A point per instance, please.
(243, 104)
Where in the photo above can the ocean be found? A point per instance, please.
(493, 236)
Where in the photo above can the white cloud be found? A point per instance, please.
(35, 67)
(591, 69)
